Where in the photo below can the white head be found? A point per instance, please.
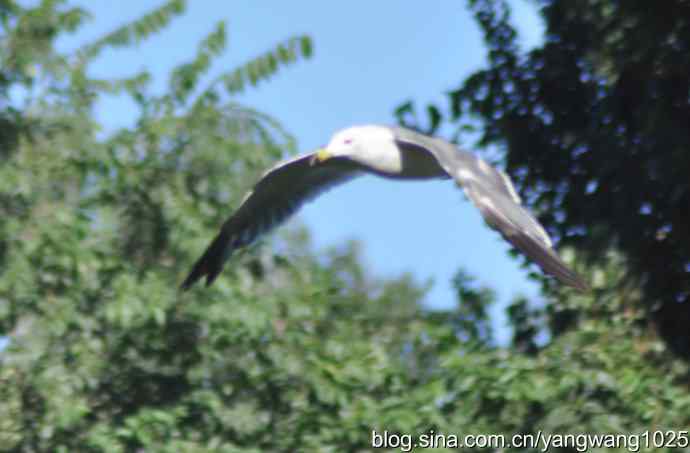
(359, 143)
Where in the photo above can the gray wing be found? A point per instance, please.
(279, 193)
(493, 193)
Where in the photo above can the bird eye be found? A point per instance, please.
(347, 141)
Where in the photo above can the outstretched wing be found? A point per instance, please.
(279, 193)
(493, 193)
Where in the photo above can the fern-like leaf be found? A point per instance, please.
(186, 76)
(265, 66)
(136, 31)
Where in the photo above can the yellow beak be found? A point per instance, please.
(320, 155)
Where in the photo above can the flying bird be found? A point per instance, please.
(390, 152)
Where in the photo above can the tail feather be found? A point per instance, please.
(210, 264)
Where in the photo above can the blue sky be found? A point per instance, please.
(369, 56)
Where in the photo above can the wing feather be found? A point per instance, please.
(493, 193)
(278, 195)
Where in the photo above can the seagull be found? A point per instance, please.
(390, 152)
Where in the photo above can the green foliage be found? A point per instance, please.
(135, 32)
(292, 352)
(264, 66)
(186, 77)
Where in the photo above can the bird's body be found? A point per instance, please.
(384, 156)
(390, 152)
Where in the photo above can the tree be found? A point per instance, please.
(594, 125)
(293, 352)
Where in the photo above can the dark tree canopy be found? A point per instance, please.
(596, 128)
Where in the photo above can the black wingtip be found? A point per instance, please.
(572, 279)
(196, 273)
(558, 269)
(567, 276)
(579, 284)
(210, 264)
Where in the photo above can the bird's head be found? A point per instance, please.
(357, 143)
